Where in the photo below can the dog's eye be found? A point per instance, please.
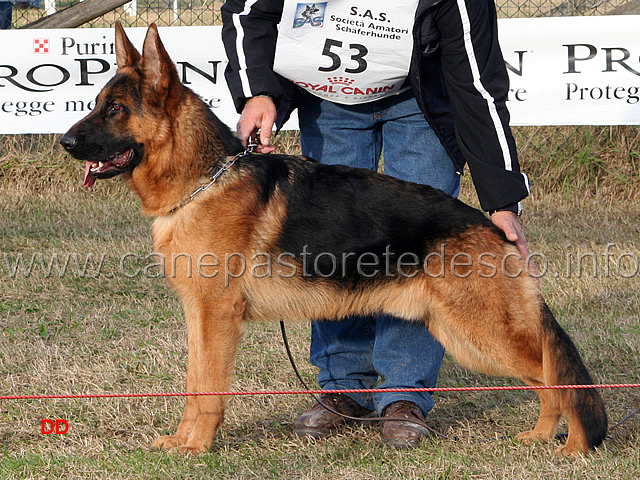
(115, 109)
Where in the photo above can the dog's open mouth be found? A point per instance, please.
(112, 166)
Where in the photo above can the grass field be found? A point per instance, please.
(108, 324)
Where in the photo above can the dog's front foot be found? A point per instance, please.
(168, 442)
(196, 450)
(180, 445)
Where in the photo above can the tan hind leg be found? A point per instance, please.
(517, 356)
(577, 440)
(550, 415)
(507, 340)
(515, 334)
(555, 404)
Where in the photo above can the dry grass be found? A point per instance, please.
(110, 333)
(582, 162)
(575, 162)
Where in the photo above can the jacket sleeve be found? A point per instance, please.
(249, 34)
(477, 83)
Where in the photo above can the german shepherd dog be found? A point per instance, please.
(342, 241)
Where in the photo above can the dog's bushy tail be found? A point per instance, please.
(564, 366)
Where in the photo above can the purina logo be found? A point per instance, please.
(311, 14)
(41, 46)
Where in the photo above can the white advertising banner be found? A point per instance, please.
(573, 70)
(50, 78)
(563, 71)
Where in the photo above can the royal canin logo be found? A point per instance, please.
(340, 81)
(344, 86)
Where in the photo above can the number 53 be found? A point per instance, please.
(358, 57)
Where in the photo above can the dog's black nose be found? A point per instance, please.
(69, 142)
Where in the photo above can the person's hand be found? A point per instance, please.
(508, 222)
(258, 114)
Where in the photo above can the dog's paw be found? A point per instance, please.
(570, 451)
(531, 437)
(180, 445)
(168, 442)
(574, 447)
(196, 450)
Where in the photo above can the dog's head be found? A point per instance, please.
(128, 111)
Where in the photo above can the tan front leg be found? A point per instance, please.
(170, 442)
(214, 331)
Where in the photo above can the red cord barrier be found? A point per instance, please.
(304, 392)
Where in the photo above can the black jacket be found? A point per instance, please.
(457, 74)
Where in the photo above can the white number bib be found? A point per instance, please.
(346, 53)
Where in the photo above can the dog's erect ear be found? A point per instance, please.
(157, 67)
(126, 53)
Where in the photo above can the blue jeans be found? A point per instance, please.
(382, 352)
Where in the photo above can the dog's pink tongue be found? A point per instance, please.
(89, 180)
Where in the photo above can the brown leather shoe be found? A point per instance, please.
(319, 422)
(401, 434)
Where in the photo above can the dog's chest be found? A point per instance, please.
(163, 230)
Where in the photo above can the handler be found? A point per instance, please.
(423, 80)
